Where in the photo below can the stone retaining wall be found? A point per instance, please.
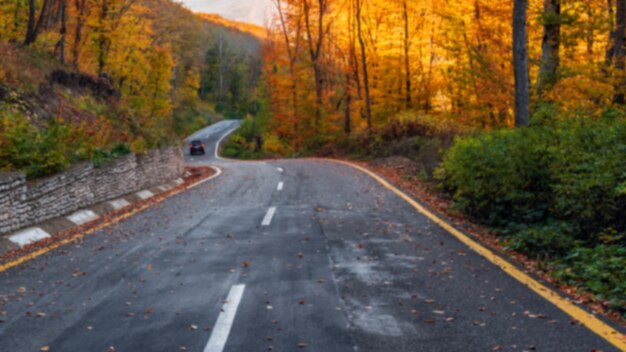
(25, 203)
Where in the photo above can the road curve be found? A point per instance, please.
(277, 256)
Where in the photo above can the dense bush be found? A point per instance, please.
(573, 172)
(601, 269)
(554, 192)
(51, 148)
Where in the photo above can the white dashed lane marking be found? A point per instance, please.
(280, 186)
(225, 320)
(267, 220)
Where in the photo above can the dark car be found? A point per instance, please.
(196, 147)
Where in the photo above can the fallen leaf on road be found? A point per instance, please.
(45, 349)
(194, 327)
(302, 345)
(40, 314)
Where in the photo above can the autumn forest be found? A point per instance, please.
(513, 112)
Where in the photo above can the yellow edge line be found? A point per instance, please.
(589, 320)
(37, 253)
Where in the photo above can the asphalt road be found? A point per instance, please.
(340, 264)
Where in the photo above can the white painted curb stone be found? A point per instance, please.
(82, 217)
(29, 236)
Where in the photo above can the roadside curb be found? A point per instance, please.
(32, 242)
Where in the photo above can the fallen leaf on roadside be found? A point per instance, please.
(194, 327)
(45, 349)
(302, 345)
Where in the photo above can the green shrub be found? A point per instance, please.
(600, 270)
(36, 153)
(573, 171)
(554, 191)
(589, 174)
(102, 157)
(501, 177)
(553, 239)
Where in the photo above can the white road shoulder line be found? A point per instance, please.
(28, 236)
(280, 186)
(83, 217)
(225, 320)
(267, 220)
(217, 145)
(119, 203)
(145, 194)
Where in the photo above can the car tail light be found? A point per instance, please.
(202, 145)
(191, 146)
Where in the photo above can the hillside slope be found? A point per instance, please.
(149, 78)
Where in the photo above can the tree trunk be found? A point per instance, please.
(31, 34)
(43, 16)
(520, 63)
(347, 123)
(62, 31)
(407, 63)
(78, 31)
(610, 47)
(293, 56)
(619, 52)
(366, 85)
(551, 43)
(315, 51)
(102, 38)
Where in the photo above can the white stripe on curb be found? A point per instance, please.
(217, 145)
(145, 194)
(83, 217)
(119, 203)
(29, 236)
(164, 188)
(267, 220)
(280, 186)
(225, 320)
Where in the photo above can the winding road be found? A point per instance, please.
(298, 255)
